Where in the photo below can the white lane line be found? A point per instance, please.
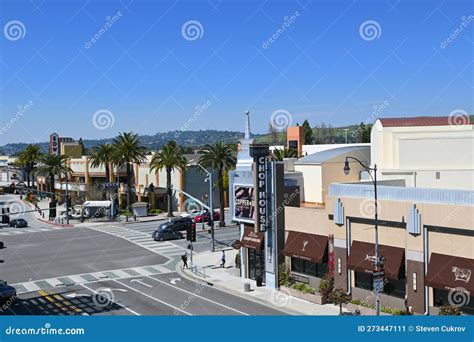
(128, 309)
(196, 295)
(153, 298)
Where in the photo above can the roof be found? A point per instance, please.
(97, 204)
(327, 155)
(427, 121)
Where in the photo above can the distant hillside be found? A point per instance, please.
(153, 142)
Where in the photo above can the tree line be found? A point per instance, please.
(125, 150)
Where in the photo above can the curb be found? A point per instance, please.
(201, 281)
(46, 221)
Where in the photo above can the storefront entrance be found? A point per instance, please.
(256, 264)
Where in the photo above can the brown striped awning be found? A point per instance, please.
(446, 272)
(305, 246)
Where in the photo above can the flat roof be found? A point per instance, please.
(327, 155)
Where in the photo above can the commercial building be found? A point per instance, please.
(425, 217)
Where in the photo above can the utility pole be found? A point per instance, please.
(67, 199)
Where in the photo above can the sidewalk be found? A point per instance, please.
(228, 279)
(44, 206)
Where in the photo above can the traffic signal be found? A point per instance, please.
(191, 232)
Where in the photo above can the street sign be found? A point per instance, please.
(377, 274)
(111, 185)
(378, 284)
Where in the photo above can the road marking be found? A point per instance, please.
(174, 280)
(153, 298)
(196, 295)
(141, 282)
(122, 306)
(59, 303)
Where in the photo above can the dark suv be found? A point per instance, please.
(166, 234)
(178, 224)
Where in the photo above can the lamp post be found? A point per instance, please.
(379, 260)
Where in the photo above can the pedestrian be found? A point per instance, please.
(223, 259)
(184, 258)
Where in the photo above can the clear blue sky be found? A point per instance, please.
(151, 78)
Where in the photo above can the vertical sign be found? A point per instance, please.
(54, 144)
(260, 154)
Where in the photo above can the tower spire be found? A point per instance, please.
(247, 125)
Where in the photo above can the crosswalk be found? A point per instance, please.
(142, 237)
(51, 283)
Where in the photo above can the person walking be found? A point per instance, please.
(223, 259)
(184, 258)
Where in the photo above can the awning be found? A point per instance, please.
(97, 204)
(251, 239)
(449, 272)
(362, 258)
(305, 246)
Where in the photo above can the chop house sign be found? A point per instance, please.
(260, 153)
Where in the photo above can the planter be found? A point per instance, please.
(310, 297)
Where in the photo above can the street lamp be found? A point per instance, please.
(211, 204)
(379, 260)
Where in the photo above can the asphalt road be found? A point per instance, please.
(74, 257)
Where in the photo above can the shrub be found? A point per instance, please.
(393, 311)
(154, 211)
(283, 275)
(448, 310)
(303, 288)
(326, 287)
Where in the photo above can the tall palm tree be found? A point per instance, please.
(27, 160)
(169, 158)
(127, 150)
(51, 166)
(221, 157)
(280, 154)
(103, 156)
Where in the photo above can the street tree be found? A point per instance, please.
(221, 157)
(170, 158)
(308, 133)
(128, 150)
(28, 159)
(103, 155)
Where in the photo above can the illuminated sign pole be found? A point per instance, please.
(260, 153)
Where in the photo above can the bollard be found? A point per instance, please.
(247, 287)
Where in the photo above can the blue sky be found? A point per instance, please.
(149, 76)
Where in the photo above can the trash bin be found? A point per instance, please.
(259, 281)
(247, 287)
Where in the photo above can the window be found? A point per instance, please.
(309, 268)
(441, 299)
(392, 287)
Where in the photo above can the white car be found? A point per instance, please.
(192, 214)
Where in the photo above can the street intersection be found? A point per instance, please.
(110, 269)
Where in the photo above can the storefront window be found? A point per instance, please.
(392, 287)
(309, 268)
(441, 299)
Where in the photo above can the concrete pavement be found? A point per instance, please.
(228, 279)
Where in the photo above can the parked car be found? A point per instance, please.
(192, 214)
(18, 223)
(178, 224)
(162, 234)
(7, 292)
(206, 215)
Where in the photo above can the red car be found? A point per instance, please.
(206, 215)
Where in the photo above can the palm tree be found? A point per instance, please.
(221, 157)
(103, 156)
(127, 150)
(27, 160)
(169, 158)
(280, 154)
(50, 165)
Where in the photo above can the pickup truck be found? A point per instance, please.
(7, 292)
